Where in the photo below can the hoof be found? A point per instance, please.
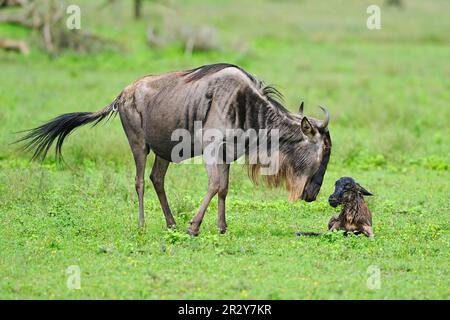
(222, 226)
(172, 226)
(193, 233)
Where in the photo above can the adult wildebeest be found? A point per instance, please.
(220, 97)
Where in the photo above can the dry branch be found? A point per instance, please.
(15, 45)
(13, 3)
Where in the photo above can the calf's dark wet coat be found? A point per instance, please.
(355, 215)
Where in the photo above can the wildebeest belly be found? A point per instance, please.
(176, 121)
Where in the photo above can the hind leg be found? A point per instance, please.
(139, 148)
(157, 177)
(224, 172)
(140, 158)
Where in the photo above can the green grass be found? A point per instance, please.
(388, 94)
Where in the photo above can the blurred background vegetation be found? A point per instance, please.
(387, 90)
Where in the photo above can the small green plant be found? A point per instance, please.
(173, 236)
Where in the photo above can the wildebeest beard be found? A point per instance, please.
(298, 186)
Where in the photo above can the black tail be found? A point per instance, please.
(42, 138)
(314, 234)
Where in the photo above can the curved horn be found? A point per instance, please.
(325, 122)
(300, 110)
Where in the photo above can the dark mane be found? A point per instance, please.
(274, 96)
(270, 92)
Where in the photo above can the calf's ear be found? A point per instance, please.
(362, 190)
(307, 127)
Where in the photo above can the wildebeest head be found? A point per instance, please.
(313, 152)
(346, 190)
(304, 152)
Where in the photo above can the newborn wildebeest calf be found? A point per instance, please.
(355, 216)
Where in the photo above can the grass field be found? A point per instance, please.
(388, 92)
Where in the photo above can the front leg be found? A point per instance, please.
(213, 188)
(334, 223)
(159, 171)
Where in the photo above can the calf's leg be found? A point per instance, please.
(334, 224)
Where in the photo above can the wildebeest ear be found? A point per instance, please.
(363, 191)
(307, 127)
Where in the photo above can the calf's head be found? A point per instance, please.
(346, 190)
